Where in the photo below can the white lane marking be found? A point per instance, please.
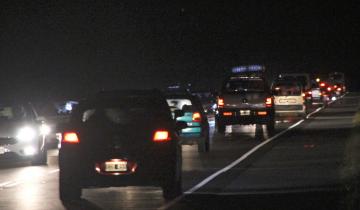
(239, 160)
(228, 167)
(5, 183)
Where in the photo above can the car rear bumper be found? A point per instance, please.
(259, 116)
(290, 109)
(150, 170)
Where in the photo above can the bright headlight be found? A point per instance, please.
(44, 129)
(26, 134)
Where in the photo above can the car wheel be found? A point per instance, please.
(69, 188)
(270, 126)
(40, 159)
(172, 187)
(204, 145)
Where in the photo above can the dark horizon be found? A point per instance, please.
(58, 50)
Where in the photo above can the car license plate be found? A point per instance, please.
(2, 150)
(244, 112)
(115, 166)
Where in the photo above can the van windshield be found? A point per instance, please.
(287, 89)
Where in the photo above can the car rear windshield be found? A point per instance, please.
(244, 85)
(11, 113)
(126, 111)
(287, 89)
(179, 104)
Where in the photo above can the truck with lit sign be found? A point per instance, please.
(245, 98)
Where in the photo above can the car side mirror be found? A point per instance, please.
(178, 113)
(181, 125)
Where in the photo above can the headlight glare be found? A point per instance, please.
(45, 129)
(26, 134)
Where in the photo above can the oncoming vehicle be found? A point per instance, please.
(22, 134)
(245, 99)
(120, 138)
(197, 131)
(288, 98)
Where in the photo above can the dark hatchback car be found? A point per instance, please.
(120, 138)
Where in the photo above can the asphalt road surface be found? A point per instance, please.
(309, 164)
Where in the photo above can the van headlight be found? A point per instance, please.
(26, 134)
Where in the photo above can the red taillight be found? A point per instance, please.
(322, 84)
(227, 113)
(339, 89)
(329, 89)
(269, 102)
(310, 92)
(70, 137)
(196, 117)
(220, 102)
(161, 135)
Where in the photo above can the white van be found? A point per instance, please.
(288, 98)
(303, 79)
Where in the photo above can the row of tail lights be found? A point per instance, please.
(268, 102)
(260, 113)
(329, 88)
(73, 138)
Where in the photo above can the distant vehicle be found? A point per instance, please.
(22, 134)
(337, 79)
(289, 98)
(303, 79)
(197, 131)
(208, 101)
(316, 94)
(245, 98)
(120, 138)
(327, 91)
(66, 107)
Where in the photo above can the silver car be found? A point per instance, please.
(22, 134)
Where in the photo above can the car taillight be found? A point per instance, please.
(329, 89)
(269, 102)
(161, 136)
(196, 117)
(220, 102)
(70, 137)
(310, 92)
(339, 89)
(322, 84)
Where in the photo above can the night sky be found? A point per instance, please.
(53, 50)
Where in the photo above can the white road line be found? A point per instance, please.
(5, 183)
(239, 160)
